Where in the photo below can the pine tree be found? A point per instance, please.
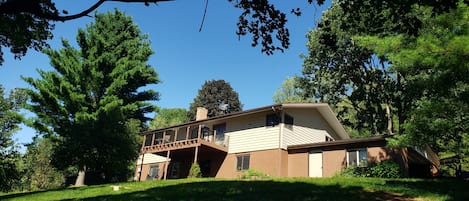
(217, 97)
(93, 100)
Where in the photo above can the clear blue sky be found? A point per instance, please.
(184, 57)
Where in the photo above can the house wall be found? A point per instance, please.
(298, 164)
(266, 161)
(146, 169)
(333, 161)
(309, 127)
(249, 134)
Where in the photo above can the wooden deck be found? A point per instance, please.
(182, 144)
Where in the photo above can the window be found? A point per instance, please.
(272, 120)
(153, 173)
(358, 157)
(288, 121)
(242, 162)
(220, 134)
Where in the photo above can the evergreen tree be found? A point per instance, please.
(92, 101)
(217, 97)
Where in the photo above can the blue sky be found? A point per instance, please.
(184, 57)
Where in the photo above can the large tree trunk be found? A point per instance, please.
(80, 181)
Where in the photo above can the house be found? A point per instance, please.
(282, 140)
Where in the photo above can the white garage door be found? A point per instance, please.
(315, 164)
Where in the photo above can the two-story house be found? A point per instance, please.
(282, 140)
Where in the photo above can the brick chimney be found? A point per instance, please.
(201, 113)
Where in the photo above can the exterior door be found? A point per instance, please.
(315, 164)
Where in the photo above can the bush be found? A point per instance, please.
(254, 174)
(195, 172)
(383, 169)
(353, 171)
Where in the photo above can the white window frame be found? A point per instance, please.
(357, 152)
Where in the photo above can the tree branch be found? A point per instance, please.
(36, 8)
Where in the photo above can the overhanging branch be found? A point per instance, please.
(35, 8)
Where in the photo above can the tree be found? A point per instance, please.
(169, 117)
(337, 70)
(289, 92)
(435, 64)
(10, 118)
(28, 24)
(217, 97)
(38, 173)
(93, 102)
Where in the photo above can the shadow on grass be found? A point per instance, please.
(454, 189)
(252, 190)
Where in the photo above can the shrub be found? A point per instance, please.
(254, 174)
(385, 169)
(353, 171)
(195, 172)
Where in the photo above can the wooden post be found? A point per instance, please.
(187, 132)
(164, 137)
(199, 132)
(176, 134)
(166, 164)
(197, 146)
(196, 153)
(214, 136)
(144, 139)
(141, 168)
(152, 139)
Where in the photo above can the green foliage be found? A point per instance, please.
(254, 174)
(10, 118)
(195, 172)
(435, 70)
(383, 169)
(347, 76)
(38, 172)
(93, 102)
(212, 95)
(166, 117)
(289, 92)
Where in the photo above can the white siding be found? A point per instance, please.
(309, 127)
(150, 158)
(250, 134)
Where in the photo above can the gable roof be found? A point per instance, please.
(323, 108)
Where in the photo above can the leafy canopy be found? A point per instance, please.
(10, 118)
(166, 117)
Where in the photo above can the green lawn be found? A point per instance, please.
(276, 189)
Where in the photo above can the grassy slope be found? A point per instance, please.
(277, 189)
